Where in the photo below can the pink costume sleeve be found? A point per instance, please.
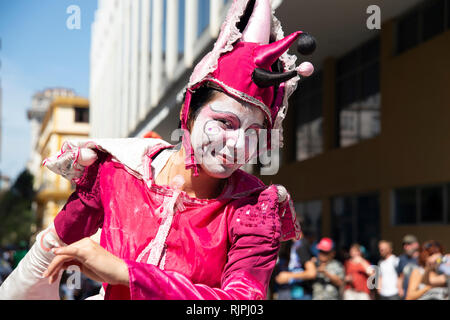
(82, 215)
(255, 232)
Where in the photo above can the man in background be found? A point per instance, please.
(330, 272)
(407, 262)
(388, 281)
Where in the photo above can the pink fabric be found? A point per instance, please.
(234, 75)
(221, 248)
(235, 56)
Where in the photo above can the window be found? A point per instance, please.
(181, 26)
(81, 114)
(421, 205)
(203, 16)
(357, 219)
(307, 101)
(422, 23)
(433, 19)
(408, 32)
(405, 206)
(447, 4)
(309, 214)
(358, 94)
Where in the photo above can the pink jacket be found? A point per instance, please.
(223, 248)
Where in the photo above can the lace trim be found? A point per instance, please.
(229, 34)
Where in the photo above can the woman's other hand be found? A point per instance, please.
(94, 261)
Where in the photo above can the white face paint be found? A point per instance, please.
(224, 135)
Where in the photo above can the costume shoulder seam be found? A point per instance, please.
(252, 177)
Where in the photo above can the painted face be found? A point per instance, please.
(224, 135)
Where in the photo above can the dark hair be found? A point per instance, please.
(428, 249)
(199, 98)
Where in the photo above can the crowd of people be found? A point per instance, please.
(312, 272)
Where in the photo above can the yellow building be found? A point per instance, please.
(66, 118)
(367, 154)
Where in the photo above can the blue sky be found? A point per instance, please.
(38, 51)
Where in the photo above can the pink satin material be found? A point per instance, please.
(234, 74)
(223, 248)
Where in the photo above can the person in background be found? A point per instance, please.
(388, 280)
(426, 281)
(357, 271)
(407, 262)
(330, 272)
(295, 283)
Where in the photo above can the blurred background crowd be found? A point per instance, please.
(319, 271)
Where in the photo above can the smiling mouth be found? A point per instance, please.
(228, 161)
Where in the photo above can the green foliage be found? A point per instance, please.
(16, 215)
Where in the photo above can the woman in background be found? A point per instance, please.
(426, 282)
(357, 272)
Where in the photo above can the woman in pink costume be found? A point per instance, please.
(183, 221)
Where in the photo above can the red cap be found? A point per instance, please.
(325, 244)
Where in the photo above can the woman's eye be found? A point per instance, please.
(225, 122)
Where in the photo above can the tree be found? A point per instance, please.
(16, 215)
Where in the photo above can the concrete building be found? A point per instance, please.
(66, 118)
(364, 137)
(367, 135)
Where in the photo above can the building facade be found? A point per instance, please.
(66, 118)
(368, 137)
(364, 137)
(40, 103)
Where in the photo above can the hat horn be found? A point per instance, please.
(265, 79)
(258, 26)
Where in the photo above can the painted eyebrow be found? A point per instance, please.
(228, 113)
(260, 126)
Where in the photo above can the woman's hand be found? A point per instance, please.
(322, 268)
(94, 261)
(431, 262)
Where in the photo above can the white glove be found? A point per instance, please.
(26, 281)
